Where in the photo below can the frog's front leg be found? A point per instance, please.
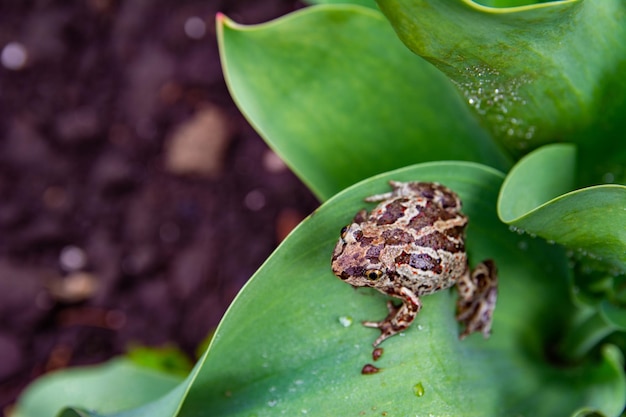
(477, 298)
(399, 318)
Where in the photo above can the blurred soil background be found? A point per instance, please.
(135, 200)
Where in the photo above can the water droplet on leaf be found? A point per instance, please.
(418, 390)
(345, 321)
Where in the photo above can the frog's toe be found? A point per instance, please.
(374, 324)
(387, 329)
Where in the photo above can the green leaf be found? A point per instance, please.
(348, 101)
(303, 358)
(535, 198)
(114, 386)
(292, 344)
(535, 74)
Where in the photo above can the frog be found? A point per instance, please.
(410, 245)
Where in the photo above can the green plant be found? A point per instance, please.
(346, 104)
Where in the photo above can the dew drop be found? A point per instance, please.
(272, 403)
(522, 245)
(418, 390)
(345, 321)
(530, 132)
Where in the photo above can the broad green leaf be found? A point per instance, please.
(292, 344)
(535, 198)
(305, 361)
(339, 97)
(116, 385)
(535, 74)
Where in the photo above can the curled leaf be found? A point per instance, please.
(535, 199)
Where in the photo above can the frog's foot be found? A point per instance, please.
(399, 318)
(477, 299)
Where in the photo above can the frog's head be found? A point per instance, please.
(356, 259)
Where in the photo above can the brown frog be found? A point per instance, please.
(413, 244)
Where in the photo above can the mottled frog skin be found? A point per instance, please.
(413, 244)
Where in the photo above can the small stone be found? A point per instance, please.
(198, 146)
(76, 287)
(14, 56)
(72, 258)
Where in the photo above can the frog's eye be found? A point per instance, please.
(373, 274)
(343, 232)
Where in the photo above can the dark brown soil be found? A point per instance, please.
(107, 234)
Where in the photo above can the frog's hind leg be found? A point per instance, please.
(399, 318)
(477, 299)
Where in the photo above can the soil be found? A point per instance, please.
(135, 200)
